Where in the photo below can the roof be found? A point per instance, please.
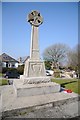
(27, 58)
(23, 59)
(6, 58)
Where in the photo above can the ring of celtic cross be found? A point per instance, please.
(35, 18)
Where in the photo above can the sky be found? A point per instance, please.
(60, 25)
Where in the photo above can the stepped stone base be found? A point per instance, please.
(15, 106)
(23, 90)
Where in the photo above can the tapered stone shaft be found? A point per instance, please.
(34, 49)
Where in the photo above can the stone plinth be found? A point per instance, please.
(34, 68)
(34, 80)
(35, 89)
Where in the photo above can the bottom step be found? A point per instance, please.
(13, 105)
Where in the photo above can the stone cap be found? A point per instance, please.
(35, 18)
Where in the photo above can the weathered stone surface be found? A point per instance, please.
(35, 80)
(34, 68)
(35, 89)
(49, 105)
(34, 47)
(34, 71)
(35, 18)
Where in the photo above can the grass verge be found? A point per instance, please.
(3, 82)
(72, 84)
(0, 74)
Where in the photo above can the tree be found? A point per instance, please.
(47, 65)
(56, 53)
(73, 59)
(20, 69)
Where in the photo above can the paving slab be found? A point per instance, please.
(64, 111)
(12, 105)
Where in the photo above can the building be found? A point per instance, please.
(8, 61)
(22, 60)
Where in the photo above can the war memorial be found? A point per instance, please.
(34, 91)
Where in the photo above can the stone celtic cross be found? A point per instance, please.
(35, 18)
(34, 67)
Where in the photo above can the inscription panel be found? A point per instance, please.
(36, 69)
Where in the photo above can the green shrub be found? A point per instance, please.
(56, 73)
(47, 65)
(5, 69)
(20, 69)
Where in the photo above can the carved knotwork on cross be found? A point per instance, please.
(35, 18)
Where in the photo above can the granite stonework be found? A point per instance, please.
(34, 80)
(35, 89)
(34, 68)
(20, 106)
